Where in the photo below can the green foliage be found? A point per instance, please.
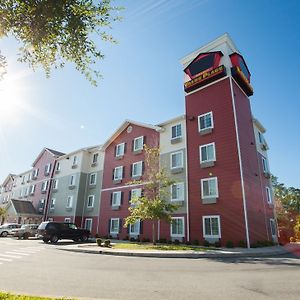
(52, 33)
(99, 242)
(106, 243)
(297, 229)
(2, 214)
(206, 243)
(8, 296)
(153, 204)
(229, 244)
(242, 244)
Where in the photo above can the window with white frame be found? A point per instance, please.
(75, 160)
(118, 173)
(177, 227)
(260, 137)
(55, 184)
(88, 224)
(116, 198)
(69, 202)
(265, 165)
(134, 229)
(67, 220)
(52, 203)
(207, 153)
(209, 188)
(273, 227)
(177, 191)
(138, 143)
(47, 168)
(269, 195)
(114, 225)
(35, 173)
(93, 178)
(90, 201)
(29, 177)
(137, 169)
(44, 186)
(21, 193)
(95, 158)
(205, 121)
(42, 204)
(136, 193)
(72, 180)
(177, 160)
(26, 191)
(57, 166)
(32, 189)
(120, 149)
(23, 179)
(211, 226)
(176, 131)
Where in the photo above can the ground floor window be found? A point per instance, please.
(211, 226)
(114, 225)
(177, 227)
(88, 224)
(134, 229)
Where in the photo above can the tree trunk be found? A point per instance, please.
(153, 233)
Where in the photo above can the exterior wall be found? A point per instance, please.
(110, 162)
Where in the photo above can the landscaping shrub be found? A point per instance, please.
(132, 239)
(146, 240)
(169, 242)
(106, 243)
(196, 243)
(229, 244)
(99, 242)
(188, 243)
(206, 243)
(217, 244)
(176, 242)
(162, 241)
(242, 244)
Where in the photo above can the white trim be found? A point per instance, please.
(114, 219)
(133, 191)
(72, 180)
(177, 136)
(219, 226)
(134, 141)
(174, 153)
(52, 203)
(122, 145)
(140, 164)
(123, 187)
(90, 183)
(85, 221)
(118, 198)
(138, 222)
(69, 203)
(212, 121)
(216, 187)
(241, 166)
(119, 167)
(214, 152)
(93, 201)
(181, 185)
(183, 229)
(269, 195)
(265, 164)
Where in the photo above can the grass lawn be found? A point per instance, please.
(8, 296)
(136, 246)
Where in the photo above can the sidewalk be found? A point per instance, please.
(92, 248)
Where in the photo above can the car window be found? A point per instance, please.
(72, 226)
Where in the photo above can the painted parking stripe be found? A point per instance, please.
(5, 259)
(26, 250)
(18, 253)
(10, 256)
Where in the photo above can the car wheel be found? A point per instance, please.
(84, 238)
(54, 239)
(26, 236)
(45, 240)
(4, 233)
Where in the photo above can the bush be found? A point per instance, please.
(106, 243)
(132, 239)
(229, 244)
(146, 240)
(162, 241)
(242, 244)
(195, 243)
(176, 242)
(188, 243)
(217, 244)
(260, 244)
(99, 242)
(206, 243)
(292, 239)
(169, 242)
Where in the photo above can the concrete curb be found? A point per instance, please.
(194, 255)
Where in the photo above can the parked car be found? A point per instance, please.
(26, 231)
(54, 231)
(7, 228)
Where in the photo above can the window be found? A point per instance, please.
(95, 158)
(47, 169)
(137, 169)
(207, 153)
(23, 179)
(265, 165)
(114, 225)
(88, 224)
(273, 227)
(260, 137)
(93, 178)
(120, 149)
(176, 160)
(29, 177)
(177, 227)
(55, 184)
(176, 131)
(134, 229)
(32, 189)
(135, 194)
(69, 202)
(75, 161)
(211, 226)
(138, 143)
(269, 195)
(118, 173)
(177, 191)
(116, 198)
(42, 204)
(67, 220)
(57, 166)
(26, 191)
(35, 173)
(52, 203)
(209, 188)
(90, 201)
(44, 186)
(72, 180)
(205, 121)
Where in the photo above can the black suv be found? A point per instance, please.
(54, 231)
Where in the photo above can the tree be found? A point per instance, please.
(2, 214)
(55, 32)
(153, 204)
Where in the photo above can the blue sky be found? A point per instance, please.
(143, 80)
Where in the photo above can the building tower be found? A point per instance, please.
(229, 190)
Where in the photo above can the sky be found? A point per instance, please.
(143, 80)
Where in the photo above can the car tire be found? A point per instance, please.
(54, 239)
(4, 234)
(84, 238)
(45, 240)
(25, 236)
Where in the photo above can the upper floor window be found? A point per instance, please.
(260, 137)
(32, 189)
(95, 158)
(90, 201)
(75, 160)
(120, 149)
(207, 153)
(23, 179)
(205, 121)
(47, 169)
(135, 194)
(209, 188)
(138, 143)
(137, 169)
(269, 195)
(72, 180)
(57, 166)
(44, 186)
(116, 198)
(211, 226)
(177, 191)
(35, 173)
(118, 173)
(55, 184)
(69, 202)
(93, 178)
(265, 165)
(177, 160)
(176, 131)
(52, 203)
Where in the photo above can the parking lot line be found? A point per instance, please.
(15, 252)
(5, 259)
(10, 256)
